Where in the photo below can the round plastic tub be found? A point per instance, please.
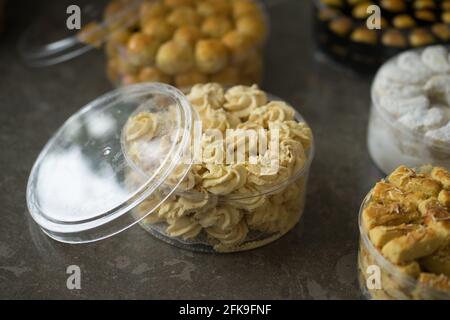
(264, 217)
(185, 43)
(391, 145)
(131, 158)
(225, 218)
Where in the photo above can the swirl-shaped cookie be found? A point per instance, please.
(206, 95)
(144, 124)
(247, 198)
(242, 100)
(197, 203)
(223, 180)
(292, 129)
(184, 227)
(228, 238)
(221, 217)
(274, 111)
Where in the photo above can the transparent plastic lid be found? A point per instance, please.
(125, 147)
(54, 36)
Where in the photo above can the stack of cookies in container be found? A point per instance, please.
(182, 42)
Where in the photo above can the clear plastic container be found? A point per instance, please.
(87, 185)
(342, 33)
(54, 36)
(185, 43)
(391, 143)
(264, 217)
(176, 42)
(395, 284)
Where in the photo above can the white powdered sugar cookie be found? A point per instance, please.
(438, 88)
(424, 119)
(385, 86)
(410, 120)
(437, 59)
(411, 82)
(411, 60)
(398, 107)
(399, 91)
(440, 135)
(394, 73)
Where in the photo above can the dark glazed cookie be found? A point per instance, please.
(421, 37)
(394, 38)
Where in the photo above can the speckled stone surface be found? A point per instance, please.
(317, 260)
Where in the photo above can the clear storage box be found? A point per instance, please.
(130, 157)
(176, 42)
(184, 42)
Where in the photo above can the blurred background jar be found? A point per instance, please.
(409, 121)
(126, 156)
(181, 42)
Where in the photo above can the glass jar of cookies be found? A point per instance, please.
(183, 42)
(364, 34)
(404, 224)
(410, 116)
(217, 169)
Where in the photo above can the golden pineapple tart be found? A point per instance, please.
(149, 9)
(252, 27)
(119, 37)
(216, 26)
(183, 16)
(184, 42)
(187, 34)
(142, 48)
(212, 7)
(210, 55)
(178, 3)
(159, 28)
(174, 57)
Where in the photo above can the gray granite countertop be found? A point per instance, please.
(316, 260)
